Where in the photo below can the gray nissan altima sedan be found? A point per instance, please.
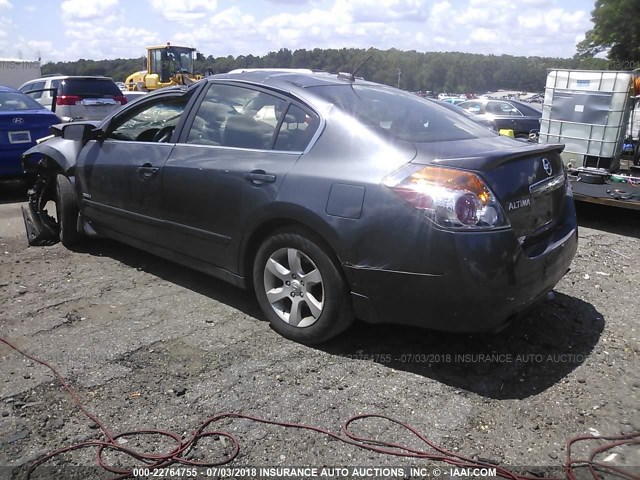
(331, 197)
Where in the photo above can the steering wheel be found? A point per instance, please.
(164, 134)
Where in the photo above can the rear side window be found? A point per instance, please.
(234, 116)
(503, 108)
(33, 86)
(89, 88)
(297, 130)
(400, 115)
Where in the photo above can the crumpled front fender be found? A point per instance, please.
(61, 151)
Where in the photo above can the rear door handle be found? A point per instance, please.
(259, 177)
(147, 171)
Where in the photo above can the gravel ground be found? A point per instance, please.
(148, 344)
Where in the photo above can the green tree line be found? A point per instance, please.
(411, 70)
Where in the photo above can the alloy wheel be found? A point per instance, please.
(294, 287)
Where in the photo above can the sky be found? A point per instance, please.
(67, 30)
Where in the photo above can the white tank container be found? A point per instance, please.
(588, 111)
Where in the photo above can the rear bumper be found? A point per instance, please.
(488, 279)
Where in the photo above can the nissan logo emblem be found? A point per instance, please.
(18, 120)
(546, 164)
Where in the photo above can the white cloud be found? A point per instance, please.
(362, 11)
(351, 23)
(97, 29)
(229, 32)
(440, 8)
(184, 10)
(111, 28)
(477, 26)
(290, 2)
(107, 42)
(87, 10)
(504, 27)
(484, 36)
(5, 26)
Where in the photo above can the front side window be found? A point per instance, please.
(400, 115)
(234, 116)
(150, 123)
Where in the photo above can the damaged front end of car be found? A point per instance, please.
(52, 155)
(41, 228)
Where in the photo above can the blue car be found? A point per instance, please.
(22, 122)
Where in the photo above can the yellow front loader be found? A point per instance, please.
(167, 65)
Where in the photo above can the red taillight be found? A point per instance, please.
(121, 99)
(68, 99)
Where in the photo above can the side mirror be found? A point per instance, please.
(78, 132)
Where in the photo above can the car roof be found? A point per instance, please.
(8, 89)
(64, 77)
(285, 78)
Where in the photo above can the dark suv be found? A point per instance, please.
(76, 98)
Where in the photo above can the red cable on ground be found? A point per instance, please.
(437, 453)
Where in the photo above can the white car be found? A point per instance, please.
(76, 97)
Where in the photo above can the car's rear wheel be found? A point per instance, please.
(300, 288)
(67, 212)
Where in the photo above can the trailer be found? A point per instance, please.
(593, 113)
(15, 71)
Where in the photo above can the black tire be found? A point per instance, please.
(67, 212)
(315, 325)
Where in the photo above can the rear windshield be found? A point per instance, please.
(10, 101)
(401, 115)
(90, 87)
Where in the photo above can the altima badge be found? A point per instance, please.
(546, 164)
(525, 202)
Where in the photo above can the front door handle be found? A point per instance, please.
(147, 171)
(259, 177)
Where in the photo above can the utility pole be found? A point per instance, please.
(399, 76)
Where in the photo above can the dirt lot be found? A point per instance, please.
(152, 345)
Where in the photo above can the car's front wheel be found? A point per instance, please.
(300, 288)
(67, 211)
